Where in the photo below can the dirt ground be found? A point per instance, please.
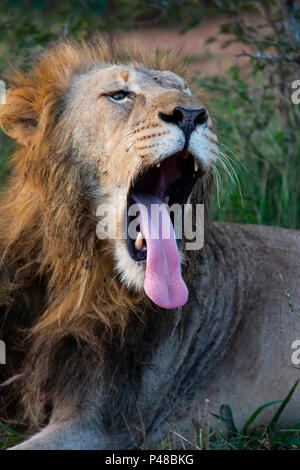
(208, 59)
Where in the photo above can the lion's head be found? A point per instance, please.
(101, 123)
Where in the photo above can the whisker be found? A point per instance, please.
(231, 173)
(130, 146)
(234, 157)
(137, 171)
(226, 147)
(139, 129)
(218, 177)
(226, 161)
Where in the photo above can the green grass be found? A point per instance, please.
(261, 156)
(5, 151)
(8, 437)
(272, 436)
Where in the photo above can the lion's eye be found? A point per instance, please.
(119, 95)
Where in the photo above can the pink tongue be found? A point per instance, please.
(163, 282)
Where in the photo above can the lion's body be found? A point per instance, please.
(106, 364)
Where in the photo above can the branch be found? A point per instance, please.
(291, 23)
(233, 89)
(65, 29)
(272, 58)
(215, 86)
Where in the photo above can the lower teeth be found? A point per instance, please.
(139, 244)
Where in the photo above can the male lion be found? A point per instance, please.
(109, 341)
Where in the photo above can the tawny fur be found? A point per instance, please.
(58, 290)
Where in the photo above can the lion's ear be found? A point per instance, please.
(18, 118)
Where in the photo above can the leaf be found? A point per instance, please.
(255, 414)
(229, 108)
(210, 40)
(8, 429)
(229, 420)
(282, 407)
(220, 418)
(230, 417)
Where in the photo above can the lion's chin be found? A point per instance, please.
(131, 273)
(153, 257)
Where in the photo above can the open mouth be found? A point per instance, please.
(165, 184)
(171, 182)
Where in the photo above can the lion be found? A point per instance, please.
(112, 340)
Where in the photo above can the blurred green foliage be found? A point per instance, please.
(261, 181)
(258, 126)
(28, 25)
(257, 121)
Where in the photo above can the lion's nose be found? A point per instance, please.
(186, 119)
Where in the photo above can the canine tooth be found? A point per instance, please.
(158, 165)
(139, 241)
(196, 164)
